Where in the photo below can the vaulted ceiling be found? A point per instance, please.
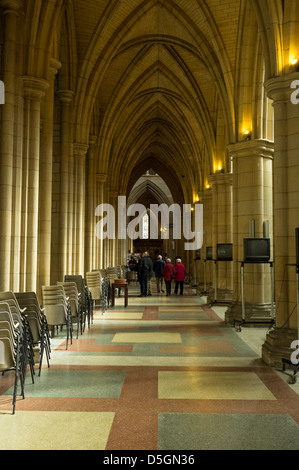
(158, 84)
(163, 84)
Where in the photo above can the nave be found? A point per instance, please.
(166, 373)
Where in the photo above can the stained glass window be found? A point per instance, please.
(145, 227)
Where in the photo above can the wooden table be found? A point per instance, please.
(120, 285)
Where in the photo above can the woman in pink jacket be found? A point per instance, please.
(168, 273)
(179, 276)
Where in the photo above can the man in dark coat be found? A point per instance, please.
(144, 270)
(158, 268)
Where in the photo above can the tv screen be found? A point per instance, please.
(256, 250)
(224, 251)
(209, 252)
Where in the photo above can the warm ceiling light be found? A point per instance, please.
(219, 167)
(294, 61)
(208, 186)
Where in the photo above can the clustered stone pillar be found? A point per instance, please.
(286, 210)
(101, 254)
(11, 9)
(222, 233)
(64, 242)
(34, 91)
(45, 194)
(252, 201)
(90, 206)
(79, 153)
(205, 270)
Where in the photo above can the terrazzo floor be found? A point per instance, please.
(164, 374)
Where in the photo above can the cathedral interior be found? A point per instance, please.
(182, 103)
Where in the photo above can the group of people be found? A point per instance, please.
(163, 271)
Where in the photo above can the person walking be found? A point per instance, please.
(146, 267)
(138, 269)
(158, 269)
(168, 273)
(179, 276)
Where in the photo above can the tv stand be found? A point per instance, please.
(286, 362)
(243, 321)
(215, 301)
(204, 292)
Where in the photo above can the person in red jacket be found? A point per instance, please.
(168, 273)
(179, 276)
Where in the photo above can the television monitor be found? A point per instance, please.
(256, 250)
(209, 252)
(224, 251)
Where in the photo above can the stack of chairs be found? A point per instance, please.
(38, 324)
(57, 309)
(11, 352)
(26, 339)
(94, 284)
(112, 274)
(105, 293)
(74, 299)
(86, 299)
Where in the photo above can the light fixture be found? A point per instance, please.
(247, 135)
(294, 65)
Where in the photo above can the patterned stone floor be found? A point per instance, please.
(164, 374)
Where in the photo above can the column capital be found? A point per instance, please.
(11, 6)
(258, 147)
(93, 139)
(80, 150)
(66, 96)
(101, 178)
(34, 88)
(205, 194)
(54, 66)
(279, 88)
(217, 178)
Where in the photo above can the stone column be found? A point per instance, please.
(90, 240)
(100, 243)
(79, 153)
(208, 267)
(11, 9)
(252, 201)
(64, 242)
(222, 233)
(286, 210)
(114, 243)
(45, 195)
(34, 91)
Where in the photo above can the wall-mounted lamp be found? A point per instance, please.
(294, 65)
(247, 135)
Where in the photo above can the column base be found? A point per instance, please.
(255, 314)
(200, 289)
(278, 346)
(224, 296)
